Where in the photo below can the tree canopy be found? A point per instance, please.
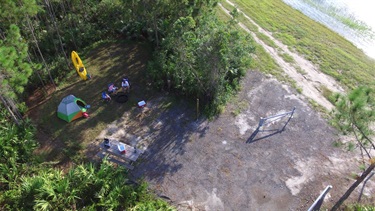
(195, 54)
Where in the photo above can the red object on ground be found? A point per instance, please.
(86, 115)
(141, 104)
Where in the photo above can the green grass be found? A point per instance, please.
(262, 61)
(322, 110)
(240, 106)
(266, 40)
(286, 57)
(227, 5)
(300, 70)
(328, 94)
(334, 55)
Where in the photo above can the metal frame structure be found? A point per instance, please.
(319, 201)
(263, 122)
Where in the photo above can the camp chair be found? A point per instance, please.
(105, 97)
(111, 88)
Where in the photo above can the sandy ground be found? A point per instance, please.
(202, 165)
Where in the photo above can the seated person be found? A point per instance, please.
(111, 88)
(125, 84)
(106, 96)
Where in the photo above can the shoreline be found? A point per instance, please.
(341, 19)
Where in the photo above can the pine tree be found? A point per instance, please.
(14, 69)
(14, 66)
(354, 114)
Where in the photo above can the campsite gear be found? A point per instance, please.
(106, 97)
(85, 114)
(121, 148)
(71, 108)
(80, 68)
(121, 97)
(125, 85)
(141, 104)
(106, 143)
(111, 88)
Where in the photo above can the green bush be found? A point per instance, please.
(202, 58)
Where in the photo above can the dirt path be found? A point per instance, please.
(310, 81)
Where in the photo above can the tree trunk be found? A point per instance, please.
(51, 12)
(156, 31)
(10, 110)
(354, 186)
(2, 35)
(62, 3)
(37, 72)
(40, 53)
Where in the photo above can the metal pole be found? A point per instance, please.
(318, 202)
(294, 108)
(364, 184)
(197, 108)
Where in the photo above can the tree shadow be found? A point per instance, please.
(253, 135)
(170, 125)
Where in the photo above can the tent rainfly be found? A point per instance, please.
(71, 108)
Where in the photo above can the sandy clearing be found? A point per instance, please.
(203, 165)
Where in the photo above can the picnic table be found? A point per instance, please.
(120, 151)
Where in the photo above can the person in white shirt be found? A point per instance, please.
(125, 84)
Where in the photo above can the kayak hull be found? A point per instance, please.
(80, 68)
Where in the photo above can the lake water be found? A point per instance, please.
(354, 20)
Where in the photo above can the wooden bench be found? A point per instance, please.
(131, 154)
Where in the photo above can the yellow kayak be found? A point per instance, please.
(77, 62)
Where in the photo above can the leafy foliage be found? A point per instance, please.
(14, 70)
(84, 186)
(355, 113)
(16, 147)
(202, 57)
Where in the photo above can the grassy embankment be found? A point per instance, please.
(334, 55)
(262, 61)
